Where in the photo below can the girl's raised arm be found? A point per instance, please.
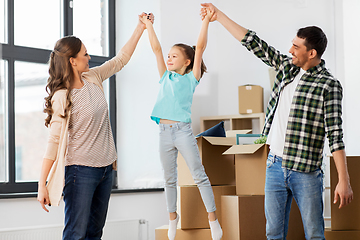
(155, 44)
(201, 44)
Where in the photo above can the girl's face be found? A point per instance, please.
(81, 61)
(177, 62)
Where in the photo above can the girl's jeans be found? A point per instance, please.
(280, 187)
(86, 195)
(179, 137)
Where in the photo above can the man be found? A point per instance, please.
(304, 107)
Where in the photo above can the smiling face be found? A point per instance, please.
(81, 62)
(177, 61)
(301, 55)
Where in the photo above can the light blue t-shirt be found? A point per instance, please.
(175, 97)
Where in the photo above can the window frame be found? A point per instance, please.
(12, 53)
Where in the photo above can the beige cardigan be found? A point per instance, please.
(58, 139)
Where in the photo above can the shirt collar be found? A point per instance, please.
(317, 69)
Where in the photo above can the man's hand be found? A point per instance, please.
(213, 10)
(344, 192)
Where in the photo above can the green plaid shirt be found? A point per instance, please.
(315, 108)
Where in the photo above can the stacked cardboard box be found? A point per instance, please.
(248, 220)
(345, 222)
(251, 98)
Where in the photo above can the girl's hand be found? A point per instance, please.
(146, 18)
(213, 10)
(206, 14)
(43, 197)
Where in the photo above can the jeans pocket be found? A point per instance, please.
(161, 129)
(270, 161)
(186, 128)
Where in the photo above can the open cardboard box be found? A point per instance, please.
(233, 133)
(191, 208)
(250, 168)
(219, 168)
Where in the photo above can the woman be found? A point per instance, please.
(81, 151)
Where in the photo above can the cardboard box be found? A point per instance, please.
(250, 168)
(347, 218)
(296, 228)
(193, 234)
(251, 99)
(243, 218)
(192, 209)
(341, 235)
(219, 168)
(233, 133)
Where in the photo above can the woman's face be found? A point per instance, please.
(81, 61)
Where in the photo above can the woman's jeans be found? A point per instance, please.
(280, 187)
(179, 137)
(86, 195)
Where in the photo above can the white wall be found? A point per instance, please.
(351, 35)
(276, 22)
(21, 213)
(229, 65)
(137, 86)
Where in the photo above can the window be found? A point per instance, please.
(37, 27)
(29, 93)
(29, 30)
(3, 155)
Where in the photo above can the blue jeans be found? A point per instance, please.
(86, 196)
(280, 187)
(179, 137)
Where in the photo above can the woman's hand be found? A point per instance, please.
(43, 197)
(146, 19)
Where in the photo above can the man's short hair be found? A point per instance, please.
(315, 38)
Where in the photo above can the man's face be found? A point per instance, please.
(301, 56)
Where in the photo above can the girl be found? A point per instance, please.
(81, 148)
(172, 112)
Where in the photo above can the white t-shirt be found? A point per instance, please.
(277, 133)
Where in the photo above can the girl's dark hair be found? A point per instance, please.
(61, 72)
(190, 54)
(315, 38)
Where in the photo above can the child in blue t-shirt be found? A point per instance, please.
(172, 112)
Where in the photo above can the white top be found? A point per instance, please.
(90, 139)
(276, 137)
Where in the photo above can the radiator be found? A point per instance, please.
(114, 230)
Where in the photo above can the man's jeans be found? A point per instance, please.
(86, 194)
(280, 187)
(179, 137)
